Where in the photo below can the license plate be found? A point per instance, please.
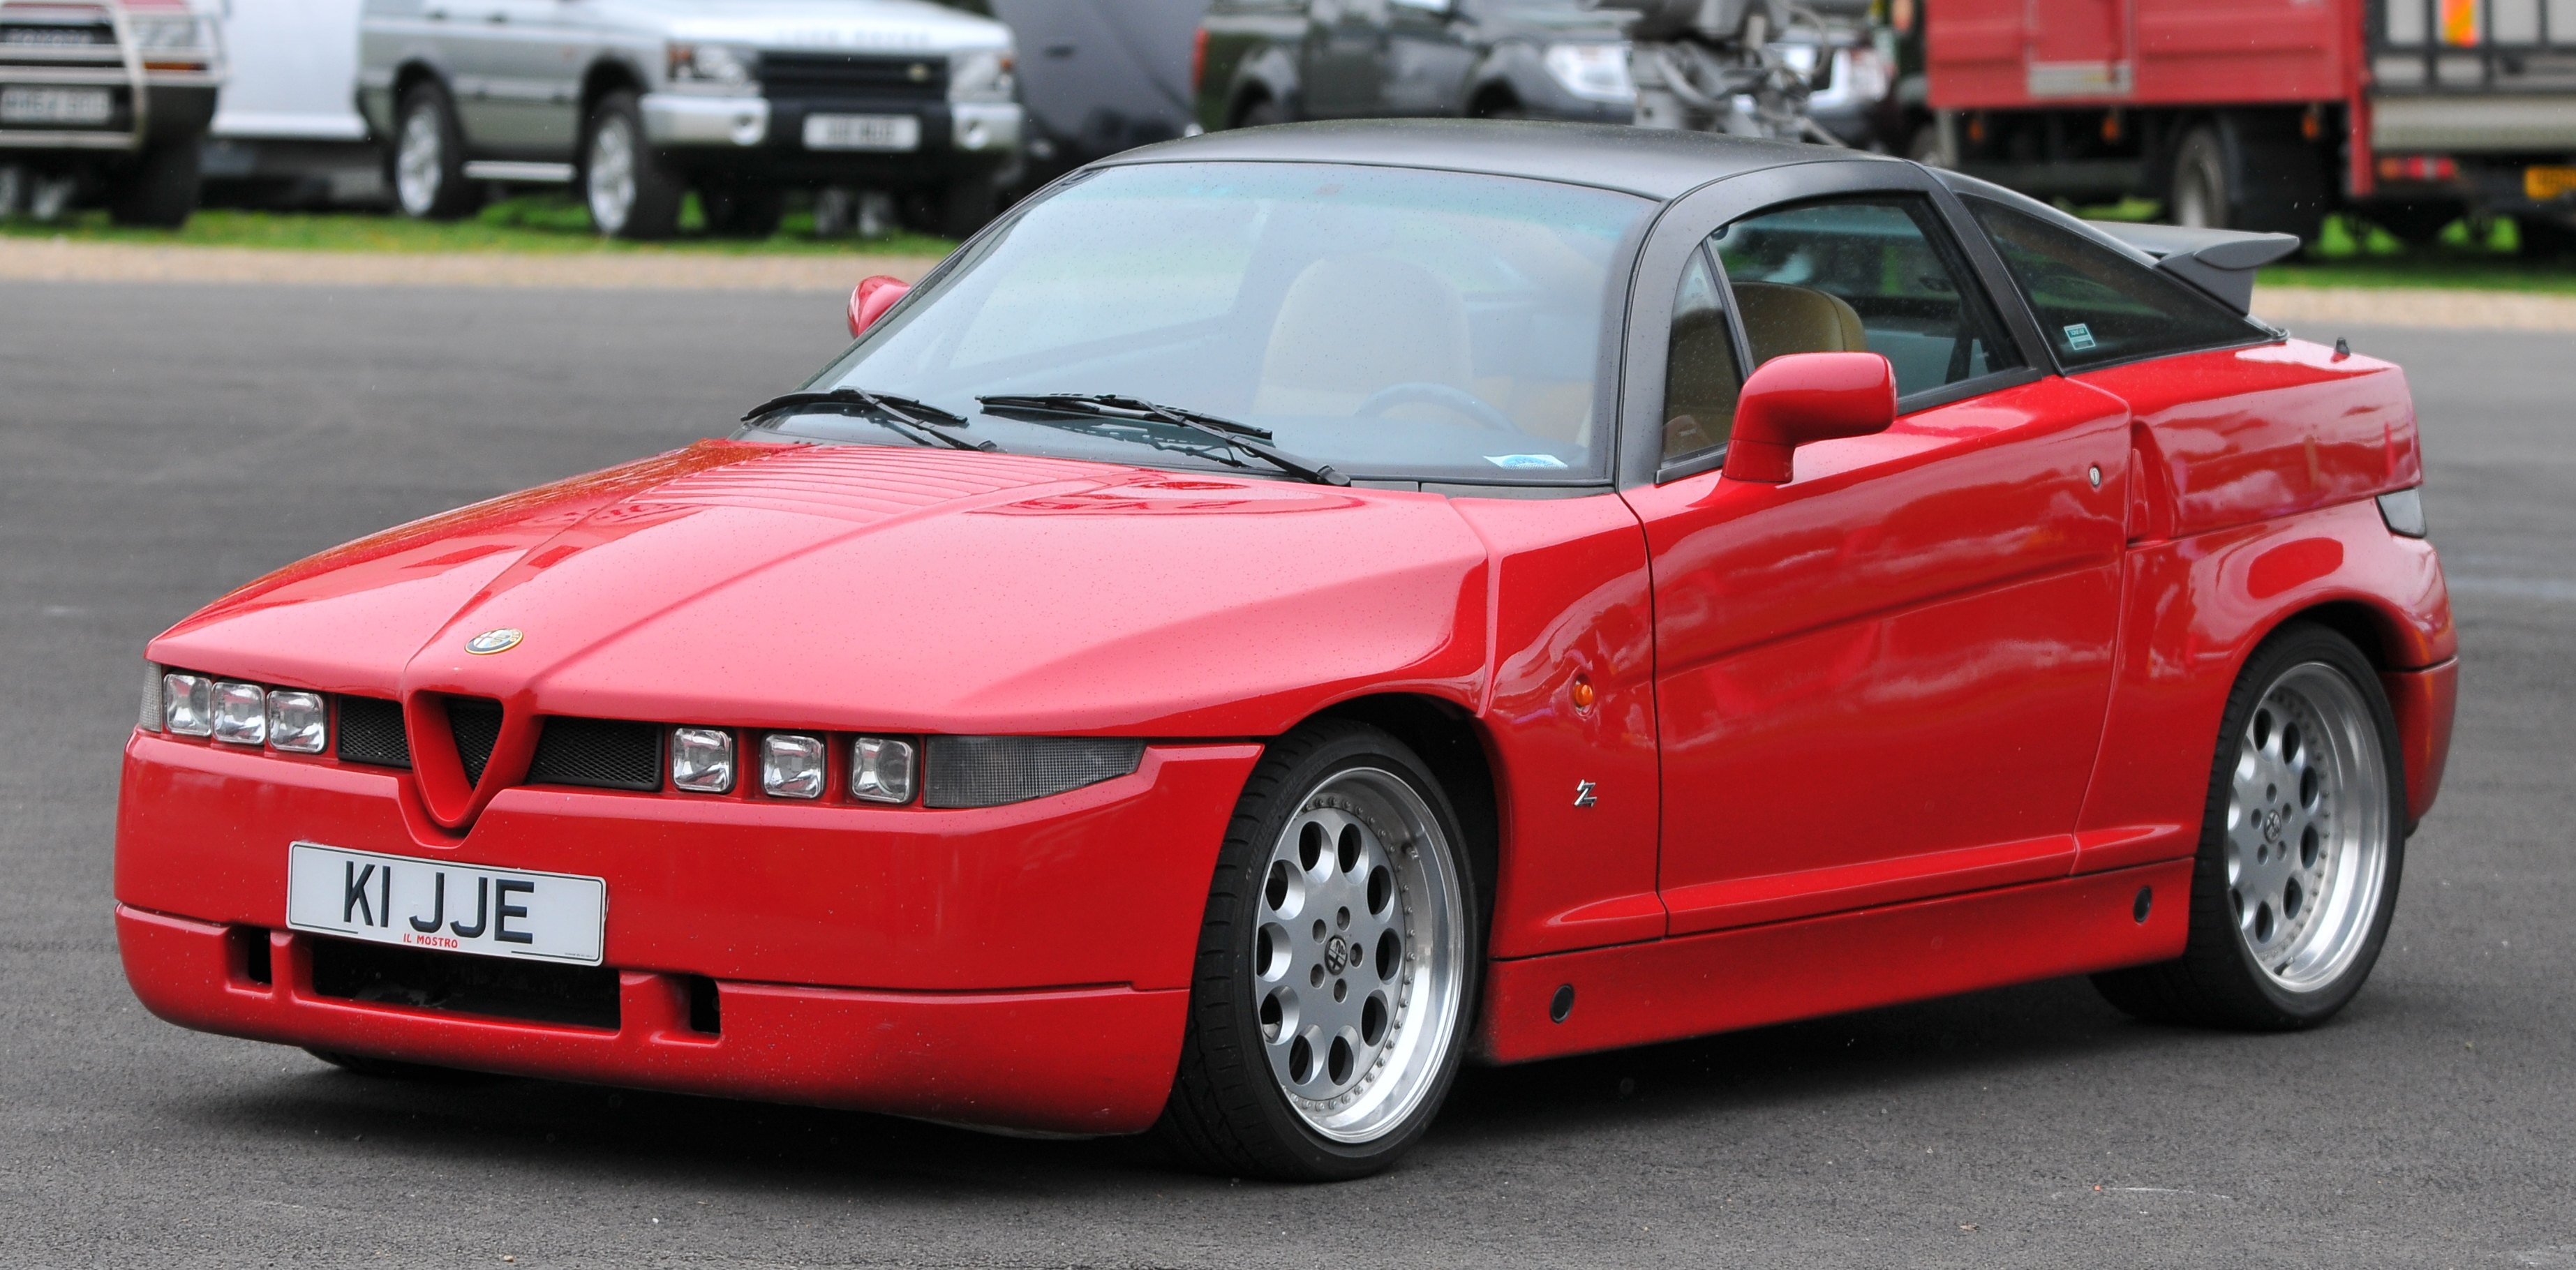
(862, 132)
(23, 105)
(449, 907)
(2541, 184)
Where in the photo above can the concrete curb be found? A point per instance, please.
(63, 260)
(2314, 312)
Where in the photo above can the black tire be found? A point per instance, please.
(2217, 982)
(2539, 238)
(396, 1069)
(744, 211)
(2248, 172)
(954, 210)
(1229, 1112)
(630, 191)
(425, 164)
(159, 191)
(1261, 113)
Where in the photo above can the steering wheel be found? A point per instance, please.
(1424, 392)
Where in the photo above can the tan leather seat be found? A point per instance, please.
(1700, 383)
(1779, 318)
(1353, 325)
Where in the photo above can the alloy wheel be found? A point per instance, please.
(610, 176)
(2307, 832)
(419, 161)
(1359, 958)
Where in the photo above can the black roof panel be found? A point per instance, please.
(1658, 163)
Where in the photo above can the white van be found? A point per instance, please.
(287, 127)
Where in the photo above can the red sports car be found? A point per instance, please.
(1285, 611)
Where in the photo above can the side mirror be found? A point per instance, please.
(1797, 398)
(872, 298)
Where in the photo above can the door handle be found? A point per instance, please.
(436, 15)
(499, 19)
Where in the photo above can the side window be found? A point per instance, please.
(2096, 305)
(1877, 275)
(1700, 377)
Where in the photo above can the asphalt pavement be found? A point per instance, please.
(160, 444)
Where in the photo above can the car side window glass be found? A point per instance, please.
(1700, 376)
(2098, 306)
(1878, 275)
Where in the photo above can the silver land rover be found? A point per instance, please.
(636, 102)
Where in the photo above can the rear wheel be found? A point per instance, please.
(2544, 239)
(1261, 113)
(630, 191)
(2301, 847)
(429, 157)
(2418, 225)
(2250, 173)
(1337, 967)
(159, 191)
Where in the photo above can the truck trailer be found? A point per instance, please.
(2262, 114)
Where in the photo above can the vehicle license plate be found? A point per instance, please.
(862, 132)
(2540, 184)
(20, 104)
(449, 907)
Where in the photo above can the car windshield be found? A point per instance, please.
(1393, 323)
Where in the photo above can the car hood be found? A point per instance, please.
(876, 588)
(864, 26)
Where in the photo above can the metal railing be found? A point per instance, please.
(41, 61)
(2472, 46)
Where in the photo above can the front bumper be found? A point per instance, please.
(771, 131)
(1023, 966)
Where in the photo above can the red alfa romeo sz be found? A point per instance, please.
(1282, 612)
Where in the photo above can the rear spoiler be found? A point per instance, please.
(2219, 261)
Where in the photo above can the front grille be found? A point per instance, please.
(853, 75)
(371, 731)
(598, 753)
(56, 35)
(475, 722)
(535, 991)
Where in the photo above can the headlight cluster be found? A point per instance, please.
(235, 712)
(957, 772)
(794, 765)
(982, 75)
(719, 66)
(165, 34)
(1593, 72)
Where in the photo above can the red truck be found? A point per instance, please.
(2262, 114)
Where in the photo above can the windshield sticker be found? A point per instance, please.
(2079, 336)
(1525, 461)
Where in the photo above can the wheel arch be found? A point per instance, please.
(1454, 745)
(605, 76)
(414, 71)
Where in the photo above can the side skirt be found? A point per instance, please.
(1636, 994)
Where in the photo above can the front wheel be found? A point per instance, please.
(1337, 968)
(2302, 843)
(160, 191)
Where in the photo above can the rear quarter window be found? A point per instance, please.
(2096, 306)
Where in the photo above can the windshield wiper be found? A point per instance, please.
(911, 417)
(1234, 436)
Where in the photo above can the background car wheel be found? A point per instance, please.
(2418, 225)
(630, 191)
(2302, 843)
(1337, 969)
(2540, 238)
(744, 211)
(2247, 172)
(159, 191)
(428, 161)
(1261, 114)
(955, 210)
(395, 1069)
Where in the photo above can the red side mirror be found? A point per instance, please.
(1797, 398)
(872, 298)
